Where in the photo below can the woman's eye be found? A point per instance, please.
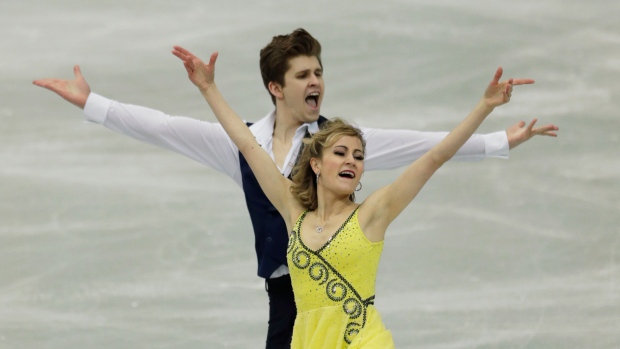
(339, 153)
(359, 157)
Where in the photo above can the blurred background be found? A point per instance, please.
(108, 242)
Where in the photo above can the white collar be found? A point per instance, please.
(263, 128)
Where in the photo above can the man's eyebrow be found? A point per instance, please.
(308, 70)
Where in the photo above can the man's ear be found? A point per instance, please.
(275, 89)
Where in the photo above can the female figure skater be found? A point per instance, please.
(335, 243)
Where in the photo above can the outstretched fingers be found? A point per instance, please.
(509, 84)
(75, 91)
(42, 82)
(190, 60)
(184, 56)
(213, 58)
(530, 127)
(54, 85)
(183, 51)
(547, 130)
(77, 72)
(523, 81)
(199, 73)
(497, 76)
(508, 88)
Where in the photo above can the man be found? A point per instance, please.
(292, 73)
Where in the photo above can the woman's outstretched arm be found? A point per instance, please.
(387, 203)
(275, 186)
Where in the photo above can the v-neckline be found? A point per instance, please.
(331, 238)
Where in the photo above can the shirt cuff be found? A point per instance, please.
(96, 108)
(281, 271)
(496, 144)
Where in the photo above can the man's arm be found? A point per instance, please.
(202, 141)
(395, 148)
(387, 149)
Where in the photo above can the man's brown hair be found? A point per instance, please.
(274, 58)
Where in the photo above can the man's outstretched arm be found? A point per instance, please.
(202, 141)
(395, 148)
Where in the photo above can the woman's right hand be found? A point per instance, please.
(200, 74)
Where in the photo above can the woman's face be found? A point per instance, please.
(342, 165)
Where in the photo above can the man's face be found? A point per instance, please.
(303, 89)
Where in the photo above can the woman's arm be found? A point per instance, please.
(275, 186)
(383, 206)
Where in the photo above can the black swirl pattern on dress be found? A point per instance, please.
(301, 258)
(336, 290)
(319, 272)
(353, 328)
(353, 307)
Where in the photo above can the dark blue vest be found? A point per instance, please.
(270, 235)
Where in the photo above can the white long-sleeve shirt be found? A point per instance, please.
(209, 144)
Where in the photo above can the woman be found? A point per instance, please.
(335, 243)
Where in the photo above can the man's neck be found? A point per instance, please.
(284, 131)
(285, 128)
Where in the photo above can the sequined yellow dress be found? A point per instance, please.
(334, 290)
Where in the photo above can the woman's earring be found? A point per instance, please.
(359, 186)
(317, 178)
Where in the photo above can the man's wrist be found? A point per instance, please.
(96, 108)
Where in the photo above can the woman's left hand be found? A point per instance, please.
(498, 93)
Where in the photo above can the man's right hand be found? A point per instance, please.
(75, 91)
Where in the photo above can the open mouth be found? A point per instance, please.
(347, 174)
(313, 99)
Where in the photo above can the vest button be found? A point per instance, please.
(269, 239)
(269, 215)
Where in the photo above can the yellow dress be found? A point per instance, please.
(334, 290)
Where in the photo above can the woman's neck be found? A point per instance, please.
(329, 208)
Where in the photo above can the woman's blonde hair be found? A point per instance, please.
(304, 179)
